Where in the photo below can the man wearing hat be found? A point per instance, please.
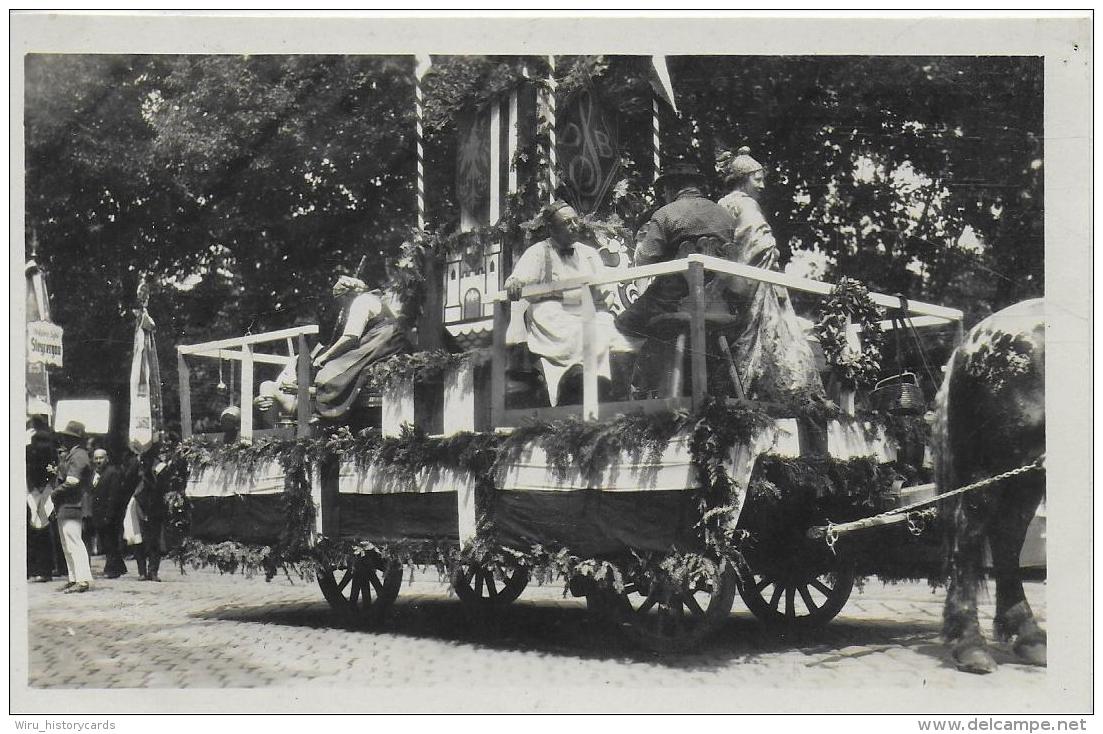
(75, 477)
(674, 231)
(677, 229)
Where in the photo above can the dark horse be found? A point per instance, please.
(991, 419)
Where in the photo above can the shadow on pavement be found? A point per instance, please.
(567, 629)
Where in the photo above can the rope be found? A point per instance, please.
(831, 532)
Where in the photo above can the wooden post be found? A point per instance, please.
(184, 376)
(459, 400)
(430, 322)
(495, 131)
(302, 381)
(697, 347)
(422, 66)
(656, 140)
(549, 112)
(246, 392)
(589, 357)
(511, 144)
(498, 363)
(329, 474)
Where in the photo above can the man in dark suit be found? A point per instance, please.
(108, 505)
(162, 473)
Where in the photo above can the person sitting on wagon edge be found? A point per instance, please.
(371, 331)
(553, 323)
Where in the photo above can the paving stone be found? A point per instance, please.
(203, 630)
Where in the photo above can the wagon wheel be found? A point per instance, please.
(665, 619)
(477, 585)
(796, 598)
(364, 593)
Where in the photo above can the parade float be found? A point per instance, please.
(658, 508)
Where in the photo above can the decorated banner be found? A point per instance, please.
(473, 165)
(145, 385)
(588, 150)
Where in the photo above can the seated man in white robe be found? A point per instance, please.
(553, 323)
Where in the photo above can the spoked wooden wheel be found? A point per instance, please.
(794, 598)
(477, 586)
(364, 593)
(666, 619)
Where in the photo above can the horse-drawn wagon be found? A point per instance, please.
(660, 510)
(659, 506)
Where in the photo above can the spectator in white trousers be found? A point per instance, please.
(75, 481)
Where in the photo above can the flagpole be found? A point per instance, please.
(422, 66)
(656, 140)
(549, 110)
(661, 88)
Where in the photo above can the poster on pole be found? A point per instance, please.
(44, 343)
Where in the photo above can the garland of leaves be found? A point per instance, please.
(455, 84)
(420, 367)
(811, 486)
(849, 302)
(241, 460)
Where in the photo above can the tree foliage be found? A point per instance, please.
(243, 184)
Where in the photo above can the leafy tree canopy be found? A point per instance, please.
(244, 183)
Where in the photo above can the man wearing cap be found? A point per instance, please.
(674, 231)
(553, 323)
(771, 351)
(75, 477)
(108, 506)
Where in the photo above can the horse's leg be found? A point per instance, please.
(961, 628)
(1014, 618)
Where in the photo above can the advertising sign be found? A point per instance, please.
(44, 343)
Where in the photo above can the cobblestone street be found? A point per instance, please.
(205, 630)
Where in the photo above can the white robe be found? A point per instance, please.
(554, 325)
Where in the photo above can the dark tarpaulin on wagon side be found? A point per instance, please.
(399, 516)
(595, 523)
(257, 519)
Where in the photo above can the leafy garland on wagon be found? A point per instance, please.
(589, 446)
(849, 303)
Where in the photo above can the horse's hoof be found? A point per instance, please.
(1031, 652)
(974, 660)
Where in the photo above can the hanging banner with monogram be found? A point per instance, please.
(145, 385)
(588, 150)
(473, 165)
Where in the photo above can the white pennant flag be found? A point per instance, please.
(660, 81)
(423, 64)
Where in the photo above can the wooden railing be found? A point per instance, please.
(242, 349)
(694, 268)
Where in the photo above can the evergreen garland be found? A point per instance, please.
(421, 367)
(786, 495)
(849, 299)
